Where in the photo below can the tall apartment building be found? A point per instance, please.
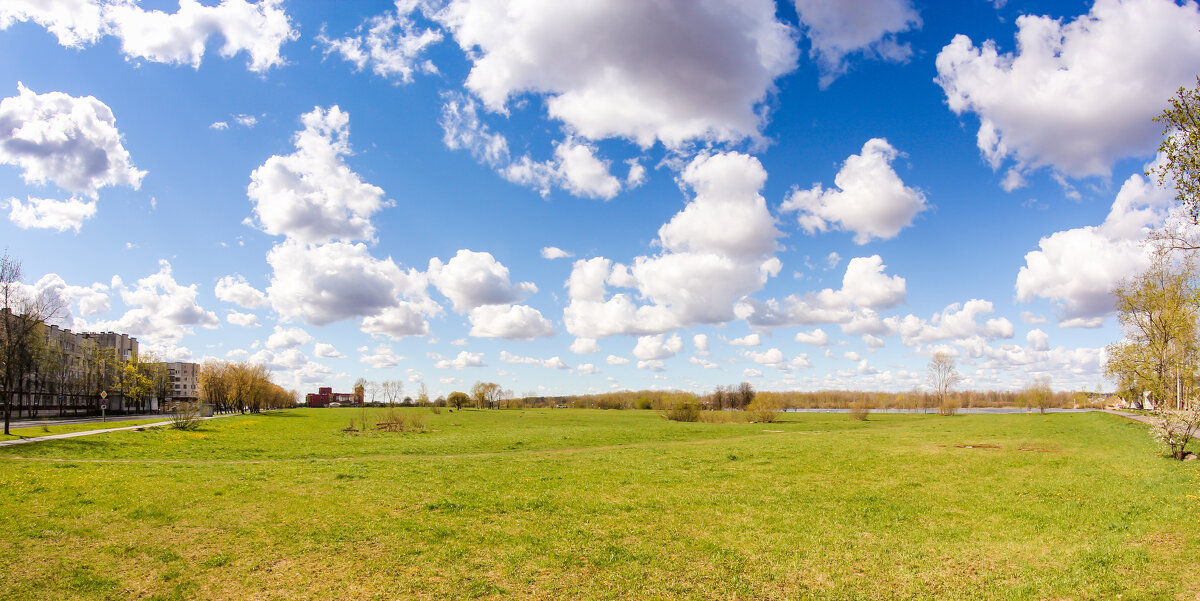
(185, 383)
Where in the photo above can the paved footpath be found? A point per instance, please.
(16, 441)
(1137, 417)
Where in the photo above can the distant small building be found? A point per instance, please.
(325, 396)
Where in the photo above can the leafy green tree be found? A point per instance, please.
(1157, 359)
(1158, 312)
(486, 394)
(1181, 146)
(458, 399)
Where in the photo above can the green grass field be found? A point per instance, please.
(574, 504)
(52, 428)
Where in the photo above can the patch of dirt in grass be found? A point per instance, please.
(977, 446)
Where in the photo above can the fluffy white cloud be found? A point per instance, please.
(71, 141)
(259, 29)
(75, 23)
(554, 252)
(705, 363)
(1076, 96)
(657, 347)
(652, 365)
(286, 338)
(648, 71)
(1038, 340)
(1078, 268)
(163, 310)
(718, 249)
(700, 341)
(463, 360)
(870, 199)
(956, 321)
(583, 346)
(551, 363)
(865, 287)
(48, 213)
(90, 300)
(473, 279)
(337, 281)
(587, 369)
(511, 322)
(838, 29)
(311, 195)
(404, 318)
(235, 289)
(771, 357)
(392, 45)
(816, 337)
(574, 167)
(326, 351)
(615, 360)
(381, 357)
(245, 320)
(747, 340)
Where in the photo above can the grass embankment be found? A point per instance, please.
(52, 428)
(577, 504)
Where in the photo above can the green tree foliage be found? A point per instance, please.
(1181, 145)
(244, 387)
(486, 394)
(1157, 359)
(458, 399)
(1157, 310)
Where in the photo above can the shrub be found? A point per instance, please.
(186, 416)
(645, 403)
(860, 409)
(683, 412)
(949, 406)
(395, 421)
(435, 409)
(761, 416)
(717, 417)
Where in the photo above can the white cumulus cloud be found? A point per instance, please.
(510, 322)
(1076, 96)
(839, 28)
(870, 199)
(48, 213)
(70, 141)
(668, 71)
(311, 195)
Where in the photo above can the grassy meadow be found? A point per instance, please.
(52, 428)
(581, 504)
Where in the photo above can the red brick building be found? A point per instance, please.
(324, 396)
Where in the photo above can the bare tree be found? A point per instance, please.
(942, 378)
(23, 317)
(392, 391)
(744, 395)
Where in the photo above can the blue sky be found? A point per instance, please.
(569, 197)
